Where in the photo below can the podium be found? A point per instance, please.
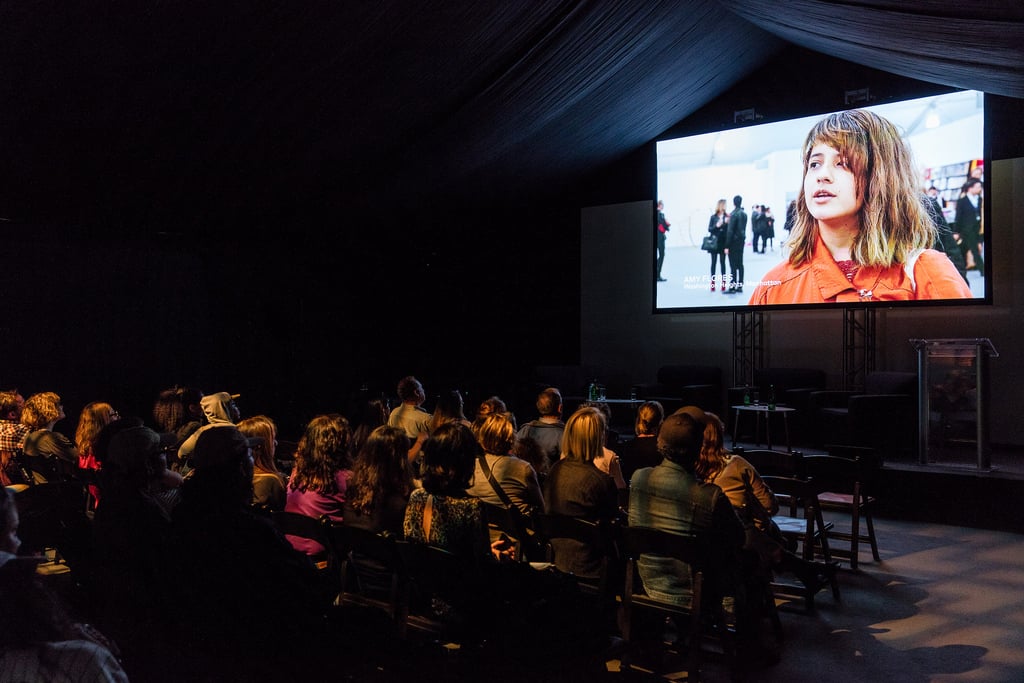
(953, 396)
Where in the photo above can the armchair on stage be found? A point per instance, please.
(685, 385)
(883, 416)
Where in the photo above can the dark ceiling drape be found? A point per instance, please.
(974, 44)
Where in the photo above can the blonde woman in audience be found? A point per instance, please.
(268, 484)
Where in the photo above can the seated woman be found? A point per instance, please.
(95, 416)
(381, 482)
(449, 408)
(441, 513)
(319, 482)
(502, 479)
(642, 451)
(608, 461)
(577, 488)
(267, 483)
(42, 411)
(754, 503)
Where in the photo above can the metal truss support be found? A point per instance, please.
(858, 346)
(748, 354)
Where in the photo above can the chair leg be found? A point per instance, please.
(855, 531)
(869, 523)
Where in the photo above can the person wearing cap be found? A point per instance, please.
(669, 497)
(220, 410)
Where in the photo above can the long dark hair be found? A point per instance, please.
(449, 456)
(380, 469)
(322, 451)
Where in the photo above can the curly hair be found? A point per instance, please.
(41, 409)
(381, 469)
(170, 411)
(322, 451)
(893, 220)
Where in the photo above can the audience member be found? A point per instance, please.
(449, 408)
(380, 484)
(754, 504)
(131, 527)
(489, 405)
(95, 416)
(547, 429)
(442, 513)
(409, 415)
(268, 484)
(503, 480)
(371, 414)
(12, 436)
(577, 488)
(178, 411)
(319, 482)
(220, 410)
(42, 411)
(642, 451)
(245, 601)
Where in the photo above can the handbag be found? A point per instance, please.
(710, 243)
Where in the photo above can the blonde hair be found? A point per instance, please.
(649, 417)
(495, 433)
(40, 410)
(583, 438)
(892, 219)
(713, 456)
(263, 428)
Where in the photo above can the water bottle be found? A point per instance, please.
(592, 390)
(746, 395)
(771, 397)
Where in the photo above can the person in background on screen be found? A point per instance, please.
(735, 238)
(769, 228)
(717, 225)
(661, 234)
(861, 232)
(967, 224)
(945, 241)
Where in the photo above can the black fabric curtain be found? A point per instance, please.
(976, 44)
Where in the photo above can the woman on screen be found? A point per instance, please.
(861, 232)
(716, 228)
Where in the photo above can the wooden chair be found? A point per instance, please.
(844, 485)
(367, 557)
(805, 526)
(555, 530)
(773, 463)
(314, 529)
(513, 524)
(702, 620)
(434, 574)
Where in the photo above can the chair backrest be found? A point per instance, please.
(801, 493)
(687, 548)
(312, 528)
(593, 534)
(437, 572)
(832, 473)
(772, 463)
(867, 455)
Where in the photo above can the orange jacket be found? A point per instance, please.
(820, 281)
